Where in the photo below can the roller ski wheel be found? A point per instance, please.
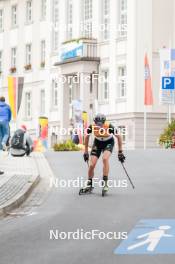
(105, 190)
(86, 190)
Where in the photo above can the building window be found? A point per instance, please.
(1, 19)
(87, 18)
(1, 62)
(14, 15)
(105, 19)
(123, 18)
(13, 58)
(29, 11)
(28, 54)
(105, 85)
(43, 9)
(69, 19)
(42, 102)
(54, 93)
(28, 105)
(55, 24)
(43, 53)
(122, 82)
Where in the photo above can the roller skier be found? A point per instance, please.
(104, 133)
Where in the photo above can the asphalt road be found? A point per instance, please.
(27, 240)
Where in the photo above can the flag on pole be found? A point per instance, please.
(20, 82)
(12, 95)
(15, 89)
(148, 96)
(148, 100)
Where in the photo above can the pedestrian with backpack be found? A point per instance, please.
(75, 137)
(21, 143)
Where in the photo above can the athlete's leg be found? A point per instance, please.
(95, 154)
(106, 156)
(93, 162)
(107, 151)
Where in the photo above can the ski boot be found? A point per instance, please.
(87, 189)
(105, 187)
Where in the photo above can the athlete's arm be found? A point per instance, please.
(86, 141)
(114, 131)
(121, 156)
(119, 139)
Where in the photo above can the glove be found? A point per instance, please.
(121, 157)
(86, 156)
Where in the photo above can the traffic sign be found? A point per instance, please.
(149, 236)
(168, 83)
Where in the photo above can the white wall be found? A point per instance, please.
(150, 26)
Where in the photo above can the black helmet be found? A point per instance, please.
(100, 119)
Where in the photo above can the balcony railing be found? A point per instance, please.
(79, 48)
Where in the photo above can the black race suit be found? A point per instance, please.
(100, 146)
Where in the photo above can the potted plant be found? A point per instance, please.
(12, 69)
(77, 40)
(42, 64)
(28, 67)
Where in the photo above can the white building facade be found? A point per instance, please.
(113, 35)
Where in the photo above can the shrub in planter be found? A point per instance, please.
(166, 137)
(66, 146)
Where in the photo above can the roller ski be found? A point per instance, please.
(88, 189)
(105, 190)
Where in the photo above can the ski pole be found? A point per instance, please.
(128, 176)
(87, 163)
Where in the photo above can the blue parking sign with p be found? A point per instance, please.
(168, 83)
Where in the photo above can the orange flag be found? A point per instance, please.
(148, 100)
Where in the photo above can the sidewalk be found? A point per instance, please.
(19, 178)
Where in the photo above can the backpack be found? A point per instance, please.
(18, 140)
(75, 139)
